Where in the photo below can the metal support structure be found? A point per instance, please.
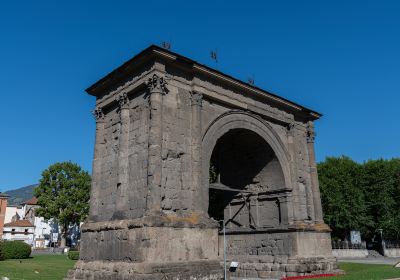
(223, 230)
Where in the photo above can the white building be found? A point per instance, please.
(13, 213)
(42, 228)
(36, 231)
(22, 230)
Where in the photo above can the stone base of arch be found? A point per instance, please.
(277, 267)
(281, 254)
(201, 270)
(163, 246)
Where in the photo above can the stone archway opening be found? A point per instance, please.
(244, 174)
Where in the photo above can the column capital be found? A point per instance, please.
(196, 98)
(290, 128)
(157, 84)
(98, 114)
(123, 101)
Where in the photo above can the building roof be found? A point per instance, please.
(19, 223)
(3, 195)
(32, 201)
(154, 51)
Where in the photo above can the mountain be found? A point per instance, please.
(20, 195)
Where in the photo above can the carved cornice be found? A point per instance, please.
(123, 101)
(196, 98)
(157, 84)
(98, 114)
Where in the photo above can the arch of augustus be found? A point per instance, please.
(182, 150)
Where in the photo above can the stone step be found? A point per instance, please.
(374, 254)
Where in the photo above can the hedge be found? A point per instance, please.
(15, 249)
(2, 257)
(73, 255)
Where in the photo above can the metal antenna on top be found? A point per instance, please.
(166, 45)
(214, 56)
(251, 80)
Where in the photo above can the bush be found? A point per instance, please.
(2, 257)
(73, 255)
(15, 249)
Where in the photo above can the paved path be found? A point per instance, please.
(391, 261)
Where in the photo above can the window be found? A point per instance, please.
(26, 231)
(13, 231)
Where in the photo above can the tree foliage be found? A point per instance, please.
(63, 194)
(343, 201)
(361, 196)
(381, 182)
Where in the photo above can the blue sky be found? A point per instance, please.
(341, 58)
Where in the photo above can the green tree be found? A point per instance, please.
(63, 194)
(342, 197)
(361, 196)
(381, 185)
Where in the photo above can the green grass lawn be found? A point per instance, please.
(358, 271)
(54, 267)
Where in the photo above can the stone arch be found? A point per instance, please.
(230, 121)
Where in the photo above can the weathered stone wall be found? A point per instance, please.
(211, 110)
(303, 244)
(108, 177)
(276, 255)
(177, 187)
(138, 161)
(151, 244)
(392, 252)
(313, 244)
(350, 253)
(257, 244)
(108, 194)
(277, 267)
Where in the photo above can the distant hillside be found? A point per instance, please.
(20, 195)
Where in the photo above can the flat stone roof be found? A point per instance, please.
(154, 51)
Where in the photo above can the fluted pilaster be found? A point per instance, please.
(314, 174)
(196, 103)
(123, 159)
(157, 88)
(99, 147)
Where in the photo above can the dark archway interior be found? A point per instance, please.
(242, 167)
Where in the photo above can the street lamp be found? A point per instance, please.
(223, 230)
(382, 241)
(380, 231)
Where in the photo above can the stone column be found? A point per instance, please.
(286, 209)
(96, 165)
(292, 152)
(121, 210)
(157, 88)
(196, 102)
(309, 197)
(314, 174)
